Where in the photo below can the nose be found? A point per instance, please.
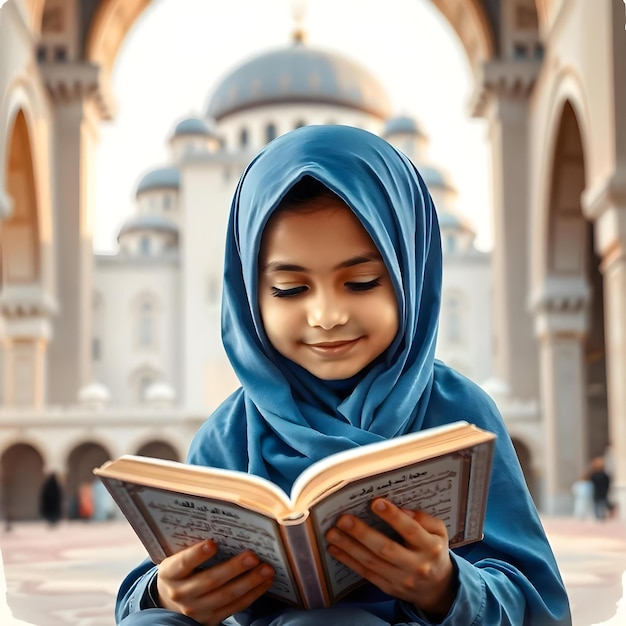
(326, 311)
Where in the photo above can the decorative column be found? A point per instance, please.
(561, 325)
(606, 205)
(26, 333)
(79, 105)
(503, 99)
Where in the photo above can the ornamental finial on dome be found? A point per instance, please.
(298, 9)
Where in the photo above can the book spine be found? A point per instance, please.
(480, 471)
(119, 492)
(305, 562)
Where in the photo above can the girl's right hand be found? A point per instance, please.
(211, 595)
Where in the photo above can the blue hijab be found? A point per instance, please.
(290, 418)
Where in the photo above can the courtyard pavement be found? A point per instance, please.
(68, 575)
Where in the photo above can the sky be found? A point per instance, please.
(178, 51)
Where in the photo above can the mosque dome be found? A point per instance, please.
(449, 220)
(161, 178)
(434, 177)
(402, 124)
(299, 74)
(148, 221)
(192, 126)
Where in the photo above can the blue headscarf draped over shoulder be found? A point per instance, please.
(283, 418)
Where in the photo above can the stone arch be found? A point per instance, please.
(525, 458)
(571, 255)
(80, 464)
(472, 25)
(22, 471)
(20, 256)
(567, 93)
(23, 104)
(140, 380)
(110, 23)
(159, 449)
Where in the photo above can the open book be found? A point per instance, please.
(444, 471)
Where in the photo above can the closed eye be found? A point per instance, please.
(287, 293)
(370, 284)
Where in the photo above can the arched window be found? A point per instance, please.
(146, 312)
(144, 245)
(270, 132)
(141, 380)
(453, 317)
(146, 325)
(144, 384)
(97, 326)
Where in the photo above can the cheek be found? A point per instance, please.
(276, 319)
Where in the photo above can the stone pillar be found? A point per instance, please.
(75, 93)
(503, 99)
(561, 324)
(26, 333)
(607, 207)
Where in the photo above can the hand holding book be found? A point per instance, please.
(443, 471)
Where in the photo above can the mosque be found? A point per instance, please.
(156, 301)
(121, 353)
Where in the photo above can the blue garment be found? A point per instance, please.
(289, 418)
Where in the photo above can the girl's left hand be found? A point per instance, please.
(419, 571)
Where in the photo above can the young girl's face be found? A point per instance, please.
(325, 295)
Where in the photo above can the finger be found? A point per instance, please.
(220, 576)
(240, 593)
(184, 563)
(371, 548)
(407, 525)
(430, 524)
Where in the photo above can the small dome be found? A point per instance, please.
(496, 388)
(449, 220)
(192, 126)
(94, 395)
(148, 221)
(160, 391)
(162, 178)
(435, 178)
(402, 124)
(299, 74)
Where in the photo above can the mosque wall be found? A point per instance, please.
(138, 341)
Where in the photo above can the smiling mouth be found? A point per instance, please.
(332, 348)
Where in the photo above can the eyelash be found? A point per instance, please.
(296, 291)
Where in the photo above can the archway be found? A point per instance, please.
(572, 257)
(19, 235)
(23, 354)
(159, 450)
(525, 458)
(80, 479)
(21, 468)
(570, 319)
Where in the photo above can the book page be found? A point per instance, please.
(180, 520)
(437, 486)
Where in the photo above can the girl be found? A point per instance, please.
(330, 309)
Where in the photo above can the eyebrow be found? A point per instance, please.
(279, 266)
